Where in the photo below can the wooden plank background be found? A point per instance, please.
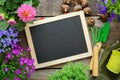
(48, 8)
(53, 7)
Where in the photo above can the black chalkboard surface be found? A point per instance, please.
(59, 39)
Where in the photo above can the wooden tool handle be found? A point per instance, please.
(96, 51)
(91, 63)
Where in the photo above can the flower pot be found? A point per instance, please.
(114, 62)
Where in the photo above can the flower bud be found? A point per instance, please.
(2, 16)
(11, 21)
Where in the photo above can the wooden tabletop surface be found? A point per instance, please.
(49, 8)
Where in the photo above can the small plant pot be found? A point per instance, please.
(114, 62)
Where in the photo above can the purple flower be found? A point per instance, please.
(21, 61)
(6, 61)
(8, 38)
(9, 56)
(28, 49)
(113, 1)
(21, 49)
(29, 75)
(15, 52)
(15, 40)
(8, 41)
(103, 10)
(31, 62)
(6, 79)
(16, 78)
(32, 69)
(26, 60)
(6, 69)
(17, 71)
(27, 68)
(105, 1)
(113, 15)
(1, 50)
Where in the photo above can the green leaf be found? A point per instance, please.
(10, 5)
(2, 2)
(36, 3)
(3, 25)
(31, 22)
(28, 2)
(20, 25)
(0, 44)
(16, 1)
(2, 10)
(71, 72)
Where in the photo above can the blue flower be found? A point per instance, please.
(8, 38)
(113, 15)
(113, 1)
(105, 1)
(103, 10)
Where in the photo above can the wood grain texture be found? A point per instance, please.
(53, 7)
(42, 74)
(49, 8)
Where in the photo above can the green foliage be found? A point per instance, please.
(20, 25)
(71, 71)
(2, 2)
(3, 25)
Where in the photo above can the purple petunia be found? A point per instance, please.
(30, 68)
(16, 78)
(6, 79)
(9, 56)
(31, 62)
(17, 71)
(28, 49)
(113, 1)
(21, 61)
(15, 59)
(6, 69)
(113, 15)
(15, 51)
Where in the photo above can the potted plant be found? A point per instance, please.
(71, 71)
(17, 13)
(14, 61)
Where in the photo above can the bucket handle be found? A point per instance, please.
(118, 49)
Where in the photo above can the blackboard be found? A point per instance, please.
(59, 38)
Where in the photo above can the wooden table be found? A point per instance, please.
(49, 8)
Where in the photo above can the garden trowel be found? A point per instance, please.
(100, 36)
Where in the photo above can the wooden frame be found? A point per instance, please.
(66, 59)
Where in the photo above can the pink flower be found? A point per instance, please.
(26, 12)
(11, 21)
(2, 17)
